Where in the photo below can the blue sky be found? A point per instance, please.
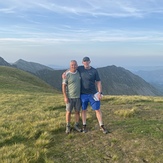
(111, 32)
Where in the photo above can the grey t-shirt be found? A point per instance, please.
(73, 84)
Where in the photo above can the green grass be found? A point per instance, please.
(13, 80)
(32, 126)
(32, 129)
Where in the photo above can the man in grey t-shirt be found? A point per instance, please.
(71, 92)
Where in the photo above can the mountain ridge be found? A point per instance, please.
(124, 82)
(115, 80)
(3, 62)
(30, 66)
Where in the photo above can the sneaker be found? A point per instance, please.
(67, 129)
(102, 128)
(84, 129)
(76, 127)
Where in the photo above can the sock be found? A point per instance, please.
(76, 123)
(101, 124)
(68, 123)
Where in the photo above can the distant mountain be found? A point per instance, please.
(143, 68)
(13, 79)
(119, 81)
(52, 77)
(49, 75)
(3, 62)
(31, 67)
(115, 80)
(154, 77)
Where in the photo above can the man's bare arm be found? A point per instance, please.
(64, 93)
(99, 88)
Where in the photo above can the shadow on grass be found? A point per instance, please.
(52, 108)
(14, 140)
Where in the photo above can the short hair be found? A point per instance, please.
(73, 61)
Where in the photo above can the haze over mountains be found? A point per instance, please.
(154, 77)
(115, 80)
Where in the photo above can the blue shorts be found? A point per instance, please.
(88, 98)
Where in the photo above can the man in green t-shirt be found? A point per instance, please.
(71, 92)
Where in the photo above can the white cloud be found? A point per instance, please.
(85, 36)
(75, 24)
(91, 7)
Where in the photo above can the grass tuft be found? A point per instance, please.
(127, 112)
(32, 129)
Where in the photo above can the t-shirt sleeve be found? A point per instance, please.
(64, 81)
(97, 76)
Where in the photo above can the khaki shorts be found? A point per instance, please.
(73, 103)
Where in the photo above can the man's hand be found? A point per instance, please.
(66, 100)
(99, 96)
(64, 74)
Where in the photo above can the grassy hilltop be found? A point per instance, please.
(32, 126)
(16, 80)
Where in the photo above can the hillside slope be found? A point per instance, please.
(115, 80)
(119, 81)
(12, 79)
(154, 77)
(3, 62)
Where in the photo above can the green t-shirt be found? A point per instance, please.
(73, 84)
